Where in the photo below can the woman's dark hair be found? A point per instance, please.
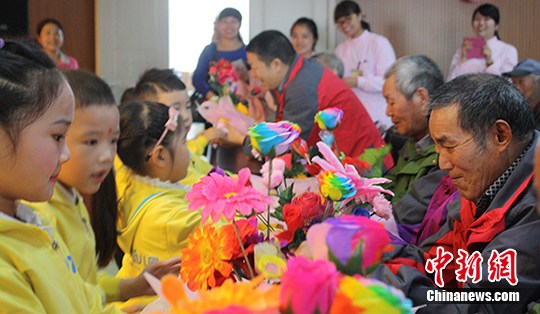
(490, 11)
(310, 24)
(44, 22)
(90, 90)
(141, 125)
(29, 83)
(347, 8)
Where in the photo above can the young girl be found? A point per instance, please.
(92, 142)
(164, 86)
(154, 222)
(37, 270)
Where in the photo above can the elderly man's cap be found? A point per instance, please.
(525, 67)
(230, 12)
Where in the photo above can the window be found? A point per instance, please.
(191, 26)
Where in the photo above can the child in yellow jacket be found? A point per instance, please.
(154, 222)
(92, 141)
(37, 270)
(164, 86)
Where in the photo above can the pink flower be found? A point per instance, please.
(342, 235)
(276, 177)
(219, 195)
(381, 206)
(366, 190)
(308, 286)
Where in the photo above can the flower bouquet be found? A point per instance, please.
(230, 106)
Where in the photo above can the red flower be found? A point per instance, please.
(301, 212)
(248, 231)
(300, 146)
(357, 163)
(313, 169)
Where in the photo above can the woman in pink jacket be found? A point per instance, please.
(497, 56)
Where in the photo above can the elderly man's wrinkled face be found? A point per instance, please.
(471, 167)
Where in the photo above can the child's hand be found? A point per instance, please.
(233, 138)
(134, 287)
(213, 134)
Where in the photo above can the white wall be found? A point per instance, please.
(281, 14)
(131, 36)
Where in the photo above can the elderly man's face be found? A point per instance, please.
(471, 167)
(408, 116)
(529, 88)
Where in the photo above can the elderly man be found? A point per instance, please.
(526, 77)
(407, 88)
(302, 87)
(484, 134)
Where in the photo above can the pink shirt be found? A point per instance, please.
(69, 64)
(373, 55)
(504, 56)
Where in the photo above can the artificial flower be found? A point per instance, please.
(273, 139)
(342, 237)
(329, 119)
(300, 212)
(249, 234)
(371, 296)
(219, 195)
(232, 297)
(335, 186)
(205, 259)
(327, 137)
(366, 189)
(308, 286)
(269, 261)
(300, 146)
(224, 112)
(276, 177)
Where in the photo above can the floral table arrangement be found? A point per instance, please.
(309, 253)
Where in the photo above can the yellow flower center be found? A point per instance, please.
(230, 194)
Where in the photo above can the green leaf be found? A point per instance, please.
(298, 238)
(285, 197)
(354, 263)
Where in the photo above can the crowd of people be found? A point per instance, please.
(88, 183)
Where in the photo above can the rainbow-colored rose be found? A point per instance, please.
(354, 244)
(335, 186)
(272, 139)
(329, 119)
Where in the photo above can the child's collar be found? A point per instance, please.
(159, 183)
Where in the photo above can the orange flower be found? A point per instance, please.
(231, 297)
(205, 259)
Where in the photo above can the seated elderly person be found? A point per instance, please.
(330, 61)
(484, 133)
(408, 85)
(526, 78)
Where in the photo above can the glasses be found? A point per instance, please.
(345, 20)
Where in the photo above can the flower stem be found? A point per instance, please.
(336, 150)
(268, 208)
(243, 249)
(326, 210)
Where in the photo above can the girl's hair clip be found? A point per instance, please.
(170, 125)
(2, 43)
